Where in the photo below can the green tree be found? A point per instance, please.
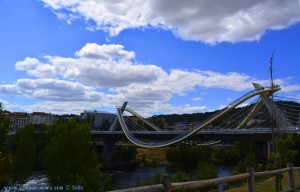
(69, 158)
(233, 155)
(25, 153)
(6, 168)
(249, 160)
(206, 170)
(188, 155)
(40, 144)
(181, 176)
(285, 153)
(4, 128)
(6, 161)
(125, 153)
(30, 143)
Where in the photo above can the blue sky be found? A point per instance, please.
(165, 57)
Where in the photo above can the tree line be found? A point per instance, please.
(64, 151)
(198, 117)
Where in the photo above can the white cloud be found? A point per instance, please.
(56, 107)
(51, 89)
(208, 21)
(196, 99)
(108, 75)
(289, 88)
(165, 108)
(12, 106)
(228, 99)
(105, 52)
(27, 64)
(99, 65)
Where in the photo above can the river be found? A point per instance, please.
(129, 179)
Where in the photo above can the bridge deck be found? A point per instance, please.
(204, 135)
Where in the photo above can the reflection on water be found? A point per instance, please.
(129, 179)
(125, 179)
(37, 182)
(223, 171)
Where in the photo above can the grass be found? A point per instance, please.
(152, 155)
(268, 185)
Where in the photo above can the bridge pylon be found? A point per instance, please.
(109, 145)
(281, 121)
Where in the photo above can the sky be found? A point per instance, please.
(163, 57)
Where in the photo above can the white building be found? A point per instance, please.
(43, 118)
(99, 119)
(18, 120)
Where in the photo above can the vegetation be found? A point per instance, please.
(69, 158)
(188, 155)
(285, 153)
(64, 151)
(6, 161)
(204, 170)
(267, 185)
(25, 153)
(146, 155)
(198, 117)
(125, 153)
(181, 176)
(6, 168)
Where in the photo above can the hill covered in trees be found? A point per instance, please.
(290, 108)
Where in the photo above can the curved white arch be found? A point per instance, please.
(142, 119)
(185, 135)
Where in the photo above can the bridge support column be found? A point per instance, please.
(109, 147)
(272, 146)
(261, 149)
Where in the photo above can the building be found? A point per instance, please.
(18, 120)
(43, 118)
(99, 120)
(181, 126)
(69, 116)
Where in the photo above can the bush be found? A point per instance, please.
(125, 153)
(69, 158)
(188, 155)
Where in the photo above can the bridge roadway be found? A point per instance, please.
(259, 134)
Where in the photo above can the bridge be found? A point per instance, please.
(237, 121)
(255, 116)
(252, 117)
(204, 136)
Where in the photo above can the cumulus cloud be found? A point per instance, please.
(27, 64)
(107, 75)
(99, 65)
(105, 52)
(208, 21)
(51, 89)
(289, 88)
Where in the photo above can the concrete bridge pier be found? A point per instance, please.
(109, 146)
(262, 149)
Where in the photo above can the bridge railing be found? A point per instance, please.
(250, 177)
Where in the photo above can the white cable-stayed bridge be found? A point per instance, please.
(253, 116)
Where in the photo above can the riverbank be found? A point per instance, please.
(268, 185)
(140, 176)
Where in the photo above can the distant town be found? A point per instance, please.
(100, 119)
